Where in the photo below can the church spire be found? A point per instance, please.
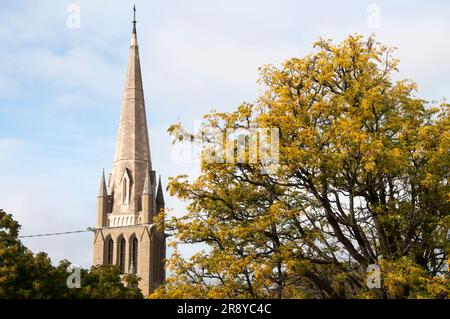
(129, 208)
(132, 140)
(132, 157)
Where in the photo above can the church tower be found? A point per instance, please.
(125, 234)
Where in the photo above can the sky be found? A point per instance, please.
(62, 69)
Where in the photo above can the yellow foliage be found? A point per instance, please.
(363, 176)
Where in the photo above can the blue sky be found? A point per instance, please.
(61, 87)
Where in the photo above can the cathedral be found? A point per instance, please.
(126, 206)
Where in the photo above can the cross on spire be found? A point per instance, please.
(134, 19)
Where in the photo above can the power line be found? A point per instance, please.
(88, 229)
(57, 234)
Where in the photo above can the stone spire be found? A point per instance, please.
(132, 139)
(132, 156)
(103, 203)
(102, 192)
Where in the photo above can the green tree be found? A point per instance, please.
(104, 282)
(363, 179)
(25, 275)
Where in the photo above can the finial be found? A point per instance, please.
(159, 193)
(134, 19)
(147, 182)
(103, 191)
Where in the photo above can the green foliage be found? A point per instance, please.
(25, 275)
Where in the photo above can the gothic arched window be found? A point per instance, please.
(134, 254)
(110, 251)
(122, 255)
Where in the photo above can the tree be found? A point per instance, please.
(25, 275)
(362, 180)
(17, 264)
(104, 282)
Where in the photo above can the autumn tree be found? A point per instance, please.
(362, 180)
(25, 275)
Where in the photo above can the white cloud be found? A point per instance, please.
(78, 68)
(424, 52)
